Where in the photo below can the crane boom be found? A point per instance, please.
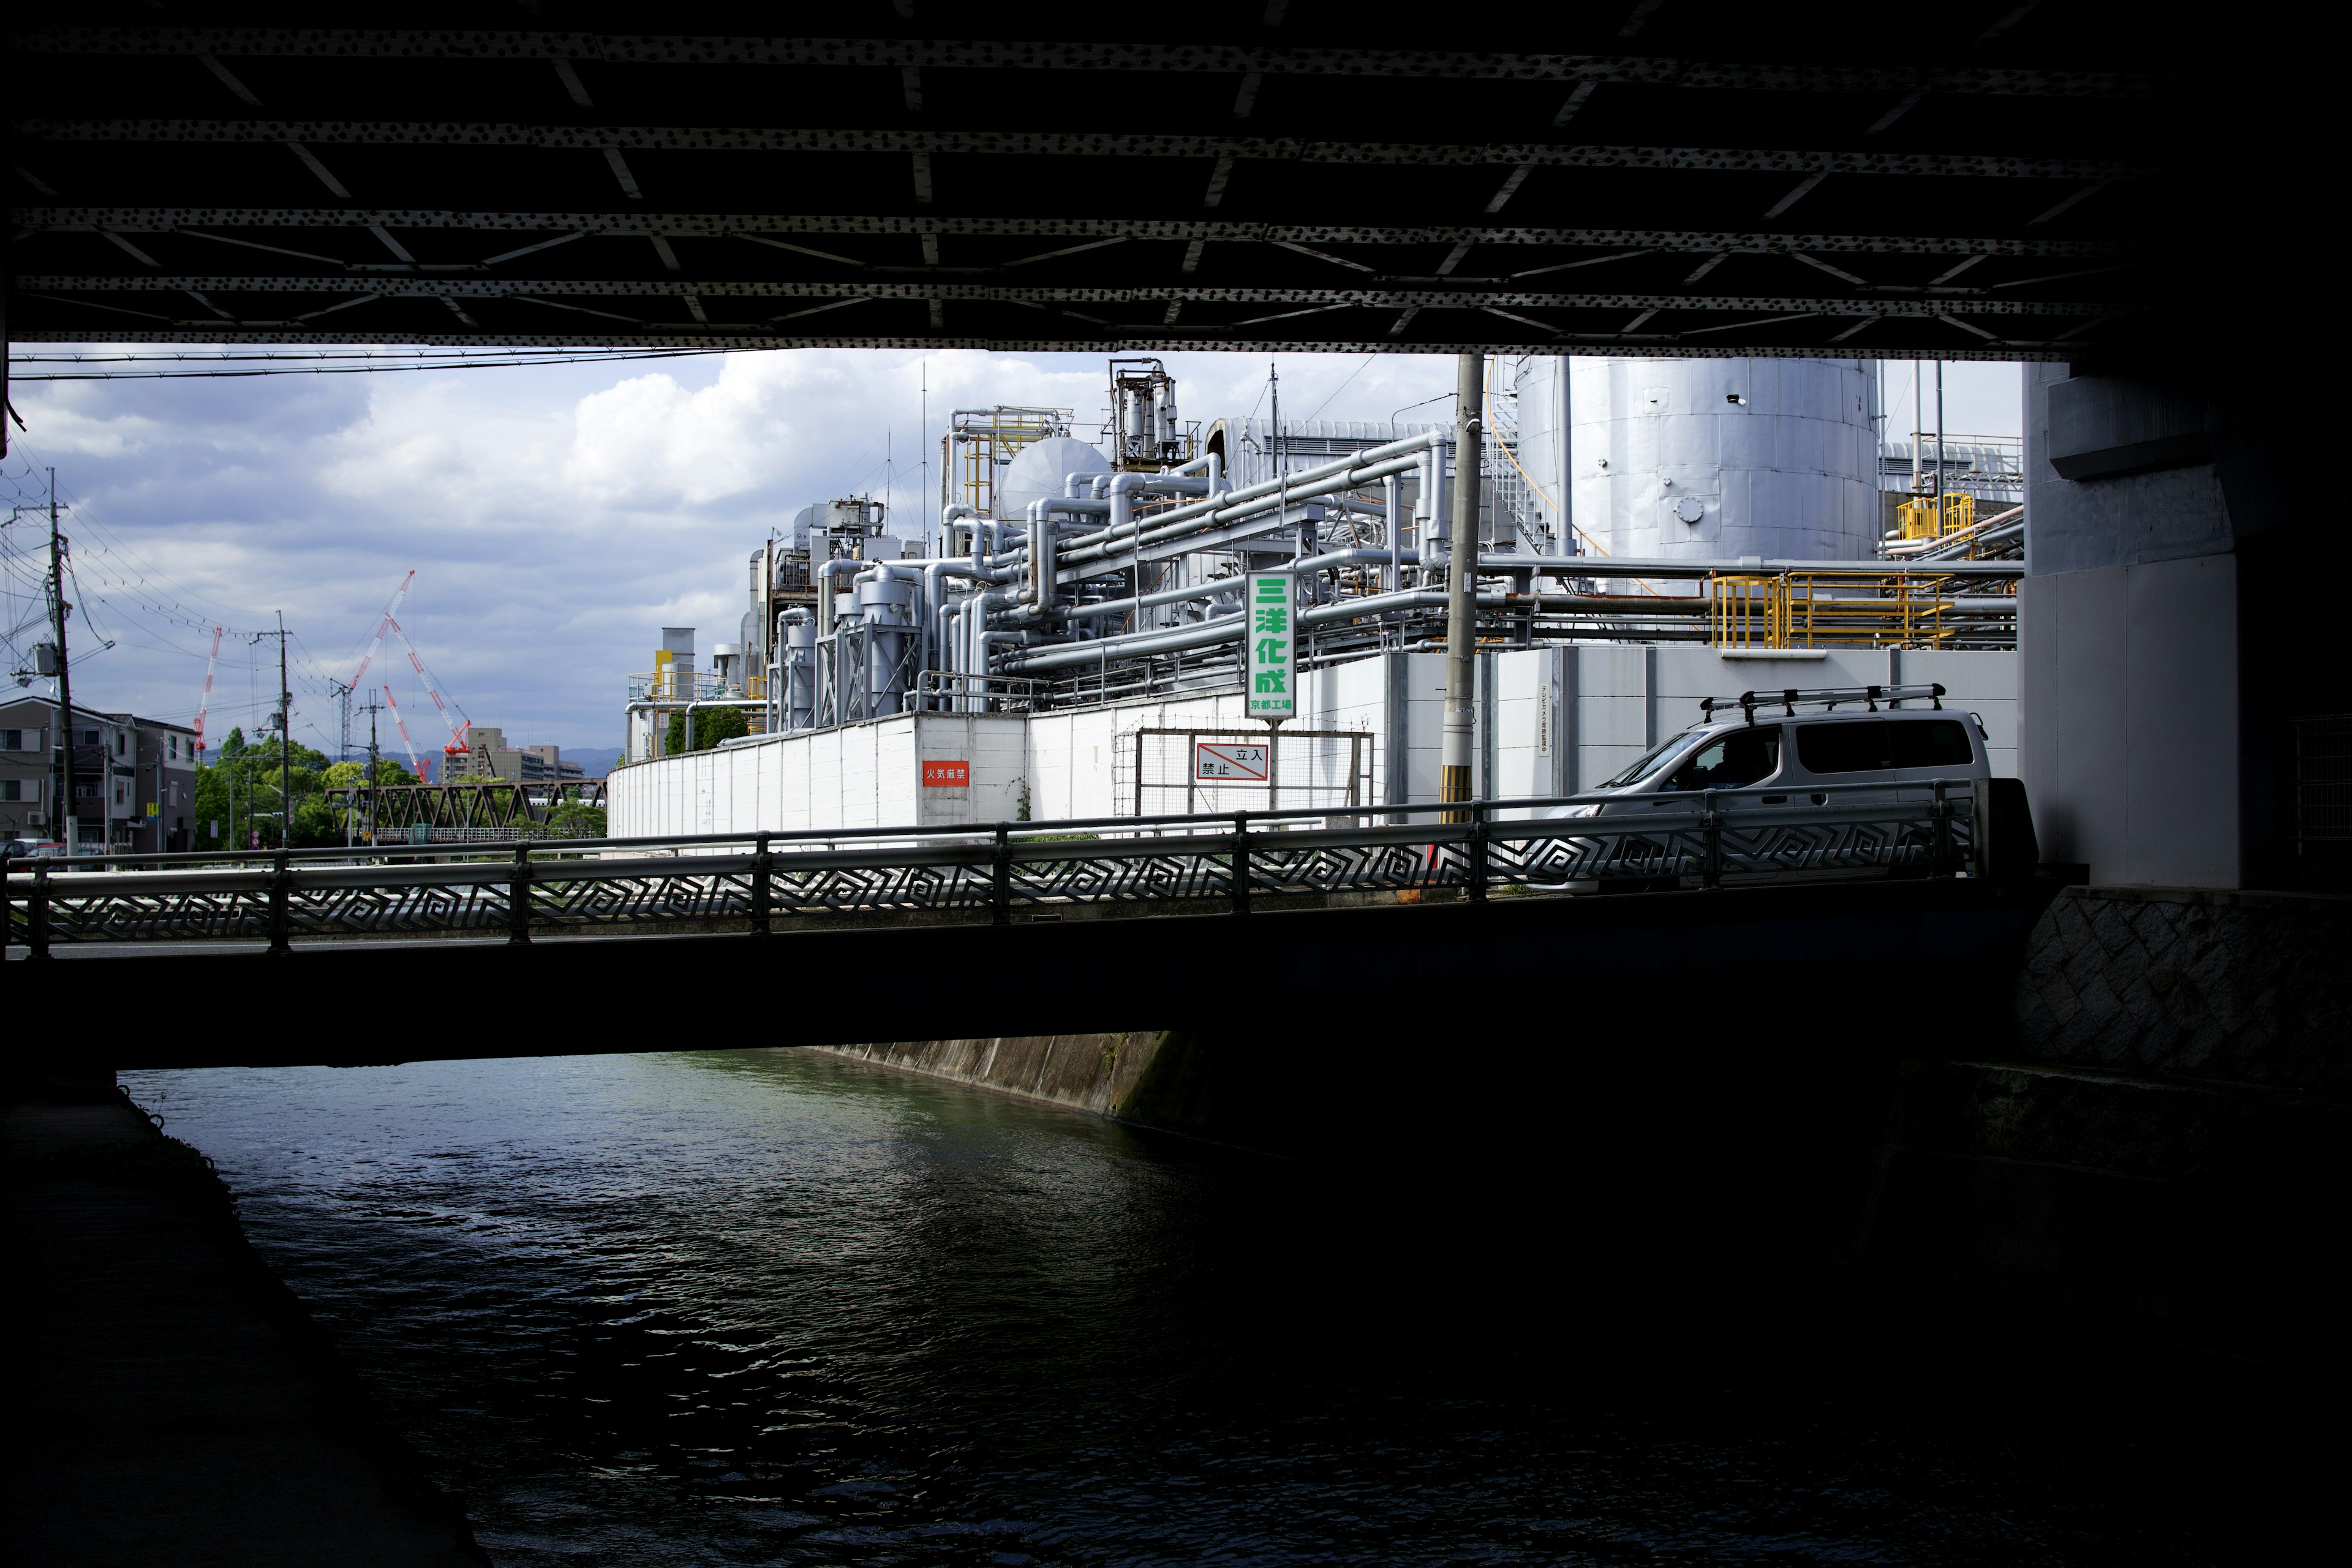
(458, 724)
(204, 704)
(397, 596)
(414, 765)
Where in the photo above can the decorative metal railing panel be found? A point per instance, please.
(766, 882)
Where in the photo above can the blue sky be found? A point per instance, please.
(556, 517)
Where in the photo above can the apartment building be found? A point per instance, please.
(134, 779)
(489, 757)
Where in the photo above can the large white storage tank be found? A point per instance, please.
(1541, 383)
(1722, 459)
(1039, 472)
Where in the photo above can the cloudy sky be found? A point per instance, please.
(556, 517)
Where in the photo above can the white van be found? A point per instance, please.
(1783, 750)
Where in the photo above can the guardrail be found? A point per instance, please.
(1702, 839)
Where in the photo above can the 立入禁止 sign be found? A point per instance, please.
(1269, 644)
(1227, 762)
(946, 774)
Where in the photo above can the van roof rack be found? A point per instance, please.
(1826, 698)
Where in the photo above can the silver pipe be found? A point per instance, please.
(935, 575)
(1308, 481)
(1627, 566)
(1260, 500)
(1163, 596)
(1391, 498)
(825, 616)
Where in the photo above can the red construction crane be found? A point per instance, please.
(458, 724)
(205, 705)
(397, 596)
(415, 766)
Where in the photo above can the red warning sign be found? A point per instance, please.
(946, 775)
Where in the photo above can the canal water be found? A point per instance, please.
(775, 1307)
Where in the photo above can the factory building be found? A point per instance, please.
(1069, 641)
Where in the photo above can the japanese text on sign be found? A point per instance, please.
(1270, 644)
(946, 774)
(1222, 762)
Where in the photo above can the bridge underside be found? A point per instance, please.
(1605, 974)
(1682, 178)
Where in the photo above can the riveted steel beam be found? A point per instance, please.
(166, 220)
(1067, 144)
(616, 48)
(1134, 340)
(435, 287)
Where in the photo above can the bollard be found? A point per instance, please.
(999, 892)
(1241, 878)
(519, 899)
(281, 896)
(762, 889)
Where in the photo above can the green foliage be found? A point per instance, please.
(246, 780)
(711, 725)
(573, 820)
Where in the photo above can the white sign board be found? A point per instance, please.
(1229, 761)
(1269, 646)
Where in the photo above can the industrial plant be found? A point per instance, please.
(1065, 636)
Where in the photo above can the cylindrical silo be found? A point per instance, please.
(799, 675)
(1723, 459)
(887, 610)
(1542, 381)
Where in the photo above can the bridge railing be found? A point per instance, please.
(760, 880)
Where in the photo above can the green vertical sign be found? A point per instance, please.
(1270, 646)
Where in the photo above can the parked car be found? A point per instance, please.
(1784, 750)
(29, 849)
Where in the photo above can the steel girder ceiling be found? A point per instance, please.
(1673, 177)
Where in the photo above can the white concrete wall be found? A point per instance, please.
(1613, 701)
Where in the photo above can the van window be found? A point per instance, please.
(1657, 757)
(1929, 744)
(1871, 745)
(1733, 760)
(1855, 746)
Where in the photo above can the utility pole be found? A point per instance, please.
(1461, 584)
(285, 739)
(374, 756)
(285, 746)
(58, 610)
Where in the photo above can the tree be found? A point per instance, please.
(574, 820)
(711, 725)
(252, 774)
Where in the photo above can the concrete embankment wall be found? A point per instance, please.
(2166, 1145)
(1158, 1079)
(177, 1404)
